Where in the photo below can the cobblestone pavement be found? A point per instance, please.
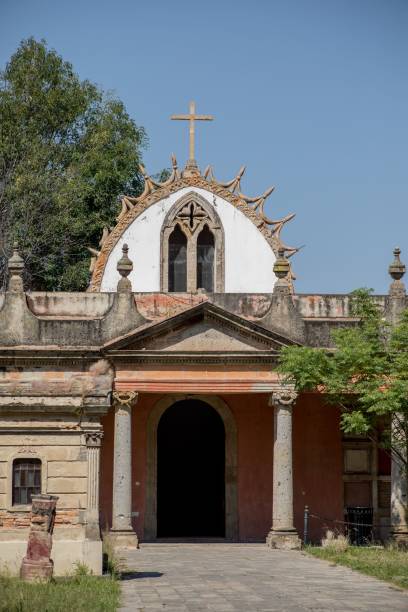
(247, 577)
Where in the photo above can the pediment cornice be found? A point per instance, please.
(248, 340)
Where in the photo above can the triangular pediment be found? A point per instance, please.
(205, 328)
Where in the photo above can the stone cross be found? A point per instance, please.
(192, 118)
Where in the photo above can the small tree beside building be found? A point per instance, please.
(366, 375)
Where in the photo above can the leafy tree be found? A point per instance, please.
(67, 150)
(366, 374)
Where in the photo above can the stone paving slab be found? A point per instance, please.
(247, 578)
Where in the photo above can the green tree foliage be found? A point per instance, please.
(366, 374)
(67, 150)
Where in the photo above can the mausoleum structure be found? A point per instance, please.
(151, 406)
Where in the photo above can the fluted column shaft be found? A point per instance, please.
(93, 444)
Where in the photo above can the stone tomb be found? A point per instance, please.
(120, 399)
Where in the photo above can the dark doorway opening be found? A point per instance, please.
(191, 471)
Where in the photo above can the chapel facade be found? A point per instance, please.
(151, 405)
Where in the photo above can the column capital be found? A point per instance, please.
(125, 399)
(283, 397)
(93, 438)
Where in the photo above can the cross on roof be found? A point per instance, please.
(192, 118)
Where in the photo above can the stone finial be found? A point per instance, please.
(124, 267)
(397, 270)
(16, 269)
(281, 269)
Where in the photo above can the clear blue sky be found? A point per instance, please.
(311, 95)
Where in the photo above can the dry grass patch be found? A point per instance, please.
(388, 564)
(336, 543)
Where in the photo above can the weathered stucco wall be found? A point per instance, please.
(317, 463)
(328, 305)
(62, 388)
(254, 420)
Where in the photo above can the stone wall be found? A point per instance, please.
(61, 447)
(49, 413)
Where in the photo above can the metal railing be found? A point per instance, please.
(359, 526)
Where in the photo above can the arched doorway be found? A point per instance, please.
(190, 471)
(231, 459)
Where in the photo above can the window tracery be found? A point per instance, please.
(192, 228)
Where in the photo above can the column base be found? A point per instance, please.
(93, 532)
(123, 539)
(400, 539)
(284, 540)
(32, 570)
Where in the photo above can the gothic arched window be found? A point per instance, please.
(177, 260)
(192, 247)
(205, 260)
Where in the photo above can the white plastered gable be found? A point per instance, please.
(249, 258)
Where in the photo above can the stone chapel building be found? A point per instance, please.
(150, 405)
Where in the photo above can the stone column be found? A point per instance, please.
(283, 534)
(399, 486)
(122, 531)
(399, 476)
(93, 445)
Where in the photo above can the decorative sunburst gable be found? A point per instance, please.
(202, 329)
(154, 192)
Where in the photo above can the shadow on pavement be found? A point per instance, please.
(135, 575)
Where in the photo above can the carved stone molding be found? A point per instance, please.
(93, 438)
(283, 397)
(125, 398)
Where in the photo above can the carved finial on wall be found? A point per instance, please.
(124, 267)
(397, 270)
(281, 269)
(16, 270)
